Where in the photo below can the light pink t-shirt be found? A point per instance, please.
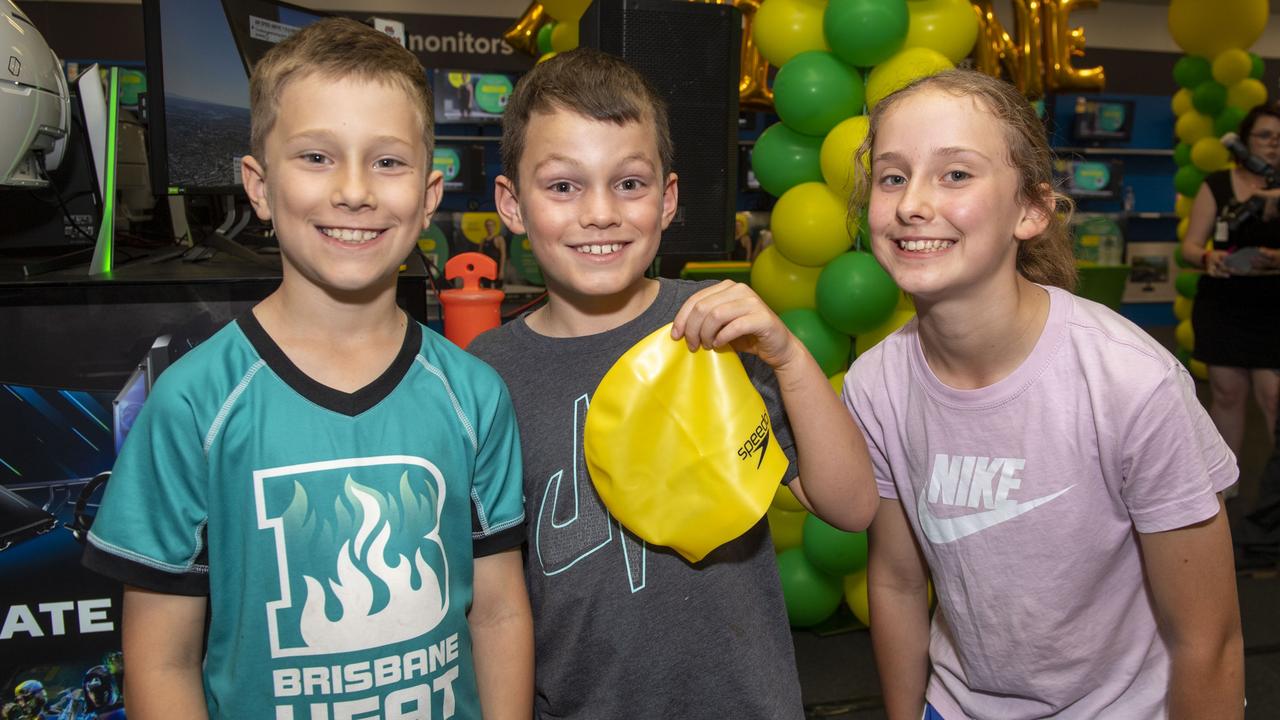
(1024, 497)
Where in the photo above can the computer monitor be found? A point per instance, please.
(199, 56)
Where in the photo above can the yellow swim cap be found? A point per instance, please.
(681, 447)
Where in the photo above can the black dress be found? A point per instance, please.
(1237, 319)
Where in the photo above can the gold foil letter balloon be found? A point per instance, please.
(999, 54)
(1063, 42)
(523, 36)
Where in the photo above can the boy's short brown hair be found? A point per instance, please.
(588, 82)
(334, 48)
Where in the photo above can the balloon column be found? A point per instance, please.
(1219, 81)
(836, 59)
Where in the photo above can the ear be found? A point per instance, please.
(432, 195)
(670, 199)
(504, 196)
(1036, 216)
(254, 178)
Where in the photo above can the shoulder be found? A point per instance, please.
(438, 355)
(1100, 334)
(889, 357)
(682, 290)
(210, 371)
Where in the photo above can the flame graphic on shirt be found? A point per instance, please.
(377, 598)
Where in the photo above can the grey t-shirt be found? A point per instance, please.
(624, 629)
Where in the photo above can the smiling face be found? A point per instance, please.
(944, 211)
(346, 181)
(593, 200)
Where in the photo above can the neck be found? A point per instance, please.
(569, 314)
(974, 342)
(300, 309)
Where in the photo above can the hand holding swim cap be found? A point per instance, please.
(680, 445)
(731, 314)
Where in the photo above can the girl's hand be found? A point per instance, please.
(730, 313)
(1214, 264)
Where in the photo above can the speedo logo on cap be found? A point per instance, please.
(759, 440)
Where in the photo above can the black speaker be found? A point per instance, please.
(690, 52)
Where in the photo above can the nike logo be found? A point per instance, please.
(945, 530)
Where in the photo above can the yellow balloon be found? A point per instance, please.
(546, 56)
(1231, 66)
(1183, 224)
(1181, 102)
(905, 302)
(786, 28)
(787, 528)
(1247, 94)
(1185, 336)
(809, 225)
(1207, 28)
(782, 284)
(1182, 206)
(837, 382)
(838, 150)
(567, 11)
(948, 26)
(855, 596)
(1208, 155)
(1182, 308)
(867, 340)
(900, 70)
(564, 36)
(706, 467)
(785, 500)
(1199, 370)
(1192, 126)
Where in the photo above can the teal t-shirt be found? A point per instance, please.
(334, 533)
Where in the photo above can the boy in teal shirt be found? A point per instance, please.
(337, 486)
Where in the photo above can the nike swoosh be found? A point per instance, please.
(945, 530)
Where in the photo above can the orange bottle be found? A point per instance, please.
(470, 309)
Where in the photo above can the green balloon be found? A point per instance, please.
(1187, 283)
(1228, 120)
(865, 32)
(828, 346)
(855, 294)
(544, 38)
(1187, 180)
(1259, 67)
(1209, 97)
(1182, 154)
(1183, 355)
(814, 91)
(810, 595)
(1192, 70)
(834, 552)
(783, 158)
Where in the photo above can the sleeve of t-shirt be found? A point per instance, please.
(1174, 459)
(766, 383)
(497, 489)
(861, 406)
(150, 528)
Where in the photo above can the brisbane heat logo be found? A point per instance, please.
(361, 563)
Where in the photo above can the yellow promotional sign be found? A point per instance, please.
(680, 445)
(480, 226)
